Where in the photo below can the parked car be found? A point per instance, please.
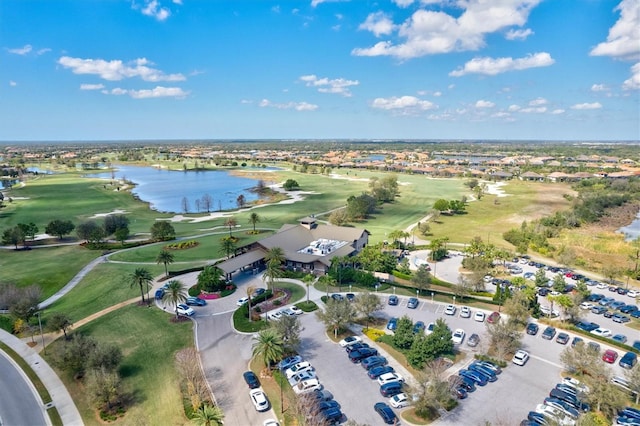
(412, 303)
(289, 361)
(400, 400)
(491, 366)
(373, 361)
(337, 297)
(242, 301)
(297, 368)
(302, 376)
(391, 389)
(458, 336)
(532, 328)
(587, 326)
(620, 338)
(355, 347)
(350, 340)
(487, 372)
(351, 297)
(627, 309)
(418, 327)
(258, 292)
(183, 309)
(473, 340)
(393, 300)
(376, 372)
(576, 340)
(195, 301)
(259, 400)
(387, 414)
(465, 312)
(610, 356)
(520, 358)
(563, 338)
(549, 333)
(360, 354)
(628, 360)
(430, 328)
(390, 377)
(307, 386)
(602, 332)
(586, 305)
(477, 378)
(251, 379)
(392, 324)
(494, 317)
(620, 318)
(159, 293)
(599, 310)
(479, 316)
(450, 310)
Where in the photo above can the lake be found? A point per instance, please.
(165, 189)
(631, 231)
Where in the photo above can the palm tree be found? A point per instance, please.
(327, 281)
(176, 293)
(250, 290)
(208, 415)
(274, 258)
(268, 345)
(141, 277)
(253, 219)
(166, 257)
(230, 223)
(308, 280)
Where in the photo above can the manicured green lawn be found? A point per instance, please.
(50, 268)
(106, 285)
(148, 341)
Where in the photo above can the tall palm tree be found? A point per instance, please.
(250, 290)
(166, 257)
(141, 277)
(176, 293)
(274, 258)
(253, 219)
(269, 346)
(308, 280)
(208, 415)
(230, 223)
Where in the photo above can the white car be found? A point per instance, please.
(576, 384)
(270, 422)
(400, 400)
(554, 414)
(458, 336)
(348, 341)
(294, 310)
(633, 293)
(302, 376)
(602, 286)
(275, 315)
(465, 312)
(297, 368)
(479, 316)
(242, 301)
(429, 328)
(450, 310)
(390, 377)
(602, 332)
(547, 311)
(259, 399)
(183, 309)
(586, 305)
(521, 357)
(307, 386)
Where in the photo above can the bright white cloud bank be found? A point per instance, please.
(117, 70)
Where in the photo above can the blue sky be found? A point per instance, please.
(318, 69)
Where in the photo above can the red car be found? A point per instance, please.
(493, 318)
(610, 356)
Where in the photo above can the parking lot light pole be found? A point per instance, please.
(431, 297)
(394, 290)
(417, 293)
(454, 300)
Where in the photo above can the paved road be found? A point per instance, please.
(18, 404)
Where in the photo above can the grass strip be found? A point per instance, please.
(54, 416)
(42, 390)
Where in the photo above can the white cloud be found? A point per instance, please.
(154, 9)
(315, 3)
(593, 105)
(599, 88)
(378, 23)
(429, 32)
(157, 92)
(437, 94)
(21, 50)
(275, 9)
(117, 70)
(538, 102)
(557, 111)
(403, 104)
(623, 40)
(484, 104)
(43, 51)
(533, 110)
(91, 86)
(403, 3)
(513, 108)
(518, 34)
(298, 106)
(12, 83)
(338, 85)
(633, 83)
(491, 66)
(500, 114)
(177, 2)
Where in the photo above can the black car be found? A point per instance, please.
(532, 328)
(459, 392)
(373, 361)
(628, 360)
(331, 416)
(391, 389)
(543, 291)
(251, 379)
(479, 368)
(356, 346)
(595, 297)
(351, 297)
(360, 354)
(393, 300)
(195, 301)
(387, 414)
(378, 371)
(607, 313)
(549, 333)
(159, 293)
(576, 340)
(587, 326)
(328, 405)
(337, 297)
(627, 309)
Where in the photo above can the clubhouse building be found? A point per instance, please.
(307, 246)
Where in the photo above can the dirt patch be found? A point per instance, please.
(548, 200)
(618, 217)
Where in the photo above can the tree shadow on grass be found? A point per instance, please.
(127, 371)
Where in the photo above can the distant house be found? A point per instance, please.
(532, 176)
(307, 246)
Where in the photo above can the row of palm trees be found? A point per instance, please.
(175, 290)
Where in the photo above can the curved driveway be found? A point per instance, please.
(18, 402)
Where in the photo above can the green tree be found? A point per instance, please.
(254, 218)
(337, 314)
(91, 232)
(403, 335)
(580, 359)
(166, 258)
(268, 345)
(517, 308)
(113, 222)
(208, 415)
(228, 246)
(339, 217)
(633, 377)
(211, 279)
(289, 328)
(59, 228)
(13, 236)
(541, 279)
(176, 293)
(162, 231)
(504, 338)
(308, 279)
(274, 259)
(441, 205)
(141, 277)
(434, 390)
(559, 283)
(59, 321)
(122, 234)
(367, 304)
(104, 388)
(290, 185)
(29, 230)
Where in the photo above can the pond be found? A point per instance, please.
(167, 190)
(631, 231)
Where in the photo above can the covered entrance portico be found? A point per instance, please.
(250, 260)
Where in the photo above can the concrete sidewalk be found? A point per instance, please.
(60, 396)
